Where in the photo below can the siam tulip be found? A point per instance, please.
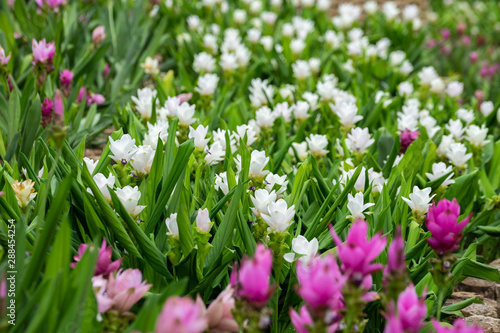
(181, 314)
(103, 183)
(455, 89)
(277, 182)
(457, 154)
(172, 226)
(356, 206)
(406, 138)
(279, 216)
(91, 164)
(47, 111)
(486, 108)
(185, 113)
(66, 77)
(411, 312)
(122, 149)
(104, 265)
(477, 135)
(215, 154)
(144, 101)
(442, 222)
(98, 35)
(251, 280)
(126, 288)
(358, 140)
(306, 250)
(302, 321)
(207, 84)
(419, 201)
(4, 60)
(317, 144)
(203, 223)
(24, 192)
(459, 326)
(43, 53)
(199, 135)
(219, 313)
(395, 273)
(320, 283)
(347, 113)
(258, 161)
(129, 196)
(150, 66)
(261, 200)
(440, 169)
(53, 4)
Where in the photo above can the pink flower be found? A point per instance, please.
(396, 256)
(442, 222)
(445, 34)
(459, 326)
(185, 97)
(96, 99)
(104, 265)
(66, 77)
(461, 27)
(105, 73)
(43, 52)
(219, 313)
(411, 312)
(251, 282)
(126, 289)
(59, 105)
(47, 111)
(358, 252)
(104, 303)
(431, 43)
(98, 35)
(4, 60)
(302, 321)
(473, 57)
(321, 282)
(406, 138)
(54, 4)
(183, 315)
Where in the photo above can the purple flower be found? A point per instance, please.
(473, 57)
(104, 265)
(43, 52)
(459, 326)
(251, 281)
(411, 312)
(66, 77)
(181, 314)
(396, 256)
(358, 252)
(47, 111)
(442, 222)
(445, 34)
(321, 282)
(98, 35)
(406, 139)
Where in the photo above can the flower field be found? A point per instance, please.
(247, 165)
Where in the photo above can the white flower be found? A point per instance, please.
(150, 66)
(215, 154)
(371, 7)
(466, 115)
(419, 200)
(142, 160)
(199, 135)
(410, 12)
(287, 92)
(347, 175)
(287, 30)
(210, 43)
(406, 67)
(455, 89)
(348, 14)
(356, 205)
(261, 200)
(243, 130)
(185, 113)
(440, 169)
(267, 42)
(207, 84)
(445, 144)
(193, 22)
(273, 181)
(477, 135)
(173, 228)
(437, 85)
(456, 128)
(300, 148)
(301, 110)
(333, 39)
(25, 192)
(239, 16)
(243, 55)
(359, 139)
(159, 129)
(269, 17)
(347, 113)
(377, 180)
(457, 154)
(171, 105)
(312, 99)
(122, 149)
(314, 65)
(405, 89)
(221, 183)
(297, 46)
(279, 216)
(144, 102)
(260, 92)
(306, 249)
(203, 220)
(228, 62)
(265, 117)
(253, 35)
(258, 162)
(317, 144)
(102, 183)
(301, 70)
(390, 10)
(427, 75)
(396, 58)
(203, 62)
(91, 164)
(382, 47)
(129, 197)
(349, 67)
(486, 108)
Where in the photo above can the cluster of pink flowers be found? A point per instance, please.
(409, 313)
(90, 98)
(43, 52)
(459, 326)
(66, 77)
(53, 4)
(47, 111)
(104, 264)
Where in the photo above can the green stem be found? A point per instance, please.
(276, 304)
(440, 299)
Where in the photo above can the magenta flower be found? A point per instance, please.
(66, 77)
(183, 315)
(358, 252)
(59, 105)
(321, 282)
(406, 139)
(302, 321)
(411, 312)
(104, 265)
(459, 326)
(251, 281)
(445, 34)
(4, 60)
(54, 4)
(396, 256)
(219, 313)
(442, 222)
(473, 57)
(47, 111)
(43, 52)
(106, 71)
(104, 303)
(98, 35)
(126, 289)
(95, 99)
